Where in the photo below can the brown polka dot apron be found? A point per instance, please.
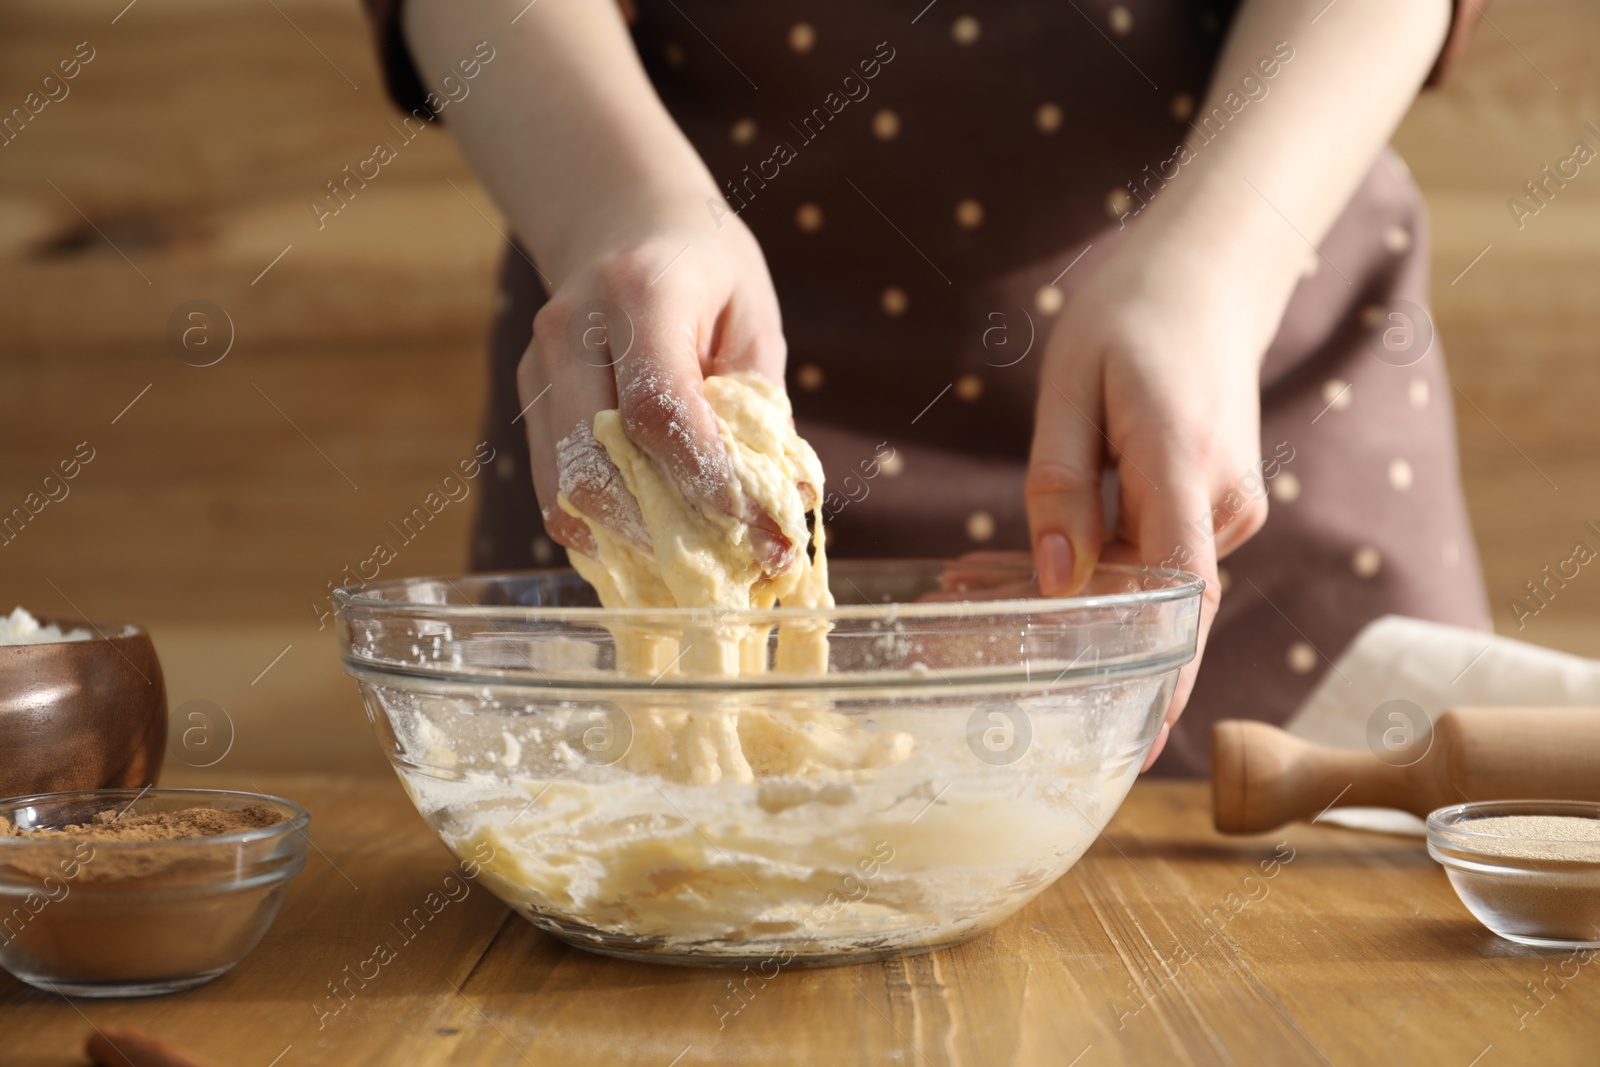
(928, 193)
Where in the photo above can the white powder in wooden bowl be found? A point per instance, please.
(21, 628)
(1536, 837)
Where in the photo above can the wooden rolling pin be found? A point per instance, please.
(1262, 777)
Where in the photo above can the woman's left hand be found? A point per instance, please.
(1152, 371)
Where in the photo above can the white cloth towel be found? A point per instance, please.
(1437, 667)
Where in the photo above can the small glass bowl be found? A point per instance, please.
(137, 918)
(1520, 888)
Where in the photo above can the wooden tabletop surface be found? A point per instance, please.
(1353, 951)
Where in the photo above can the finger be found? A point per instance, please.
(533, 389)
(986, 568)
(1242, 523)
(1063, 483)
(1172, 520)
(659, 388)
(580, 357)
(749, 337)
(665, 413)
(1155, 749)
(591, 483)
(564, 379)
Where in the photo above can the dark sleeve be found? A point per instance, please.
(399, 72)
(1463, 20)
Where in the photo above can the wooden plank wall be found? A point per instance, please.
(194, 139)
(195, 136)
(1522, 328)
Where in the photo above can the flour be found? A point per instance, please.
(21, 628)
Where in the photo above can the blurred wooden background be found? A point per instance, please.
(218, 506)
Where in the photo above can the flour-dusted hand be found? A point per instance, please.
(654, 283)
(638, 328)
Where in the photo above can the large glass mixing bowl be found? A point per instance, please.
(967, 742)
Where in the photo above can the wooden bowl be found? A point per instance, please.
(81, 714)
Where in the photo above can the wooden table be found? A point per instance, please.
(1355, 951)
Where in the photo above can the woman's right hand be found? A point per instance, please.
(637, 323)
(656, 283)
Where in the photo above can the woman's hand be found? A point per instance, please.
(660, 302)
(1152, 371)
(1153, 368)
(654, 282)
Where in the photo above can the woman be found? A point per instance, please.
(1030, 257)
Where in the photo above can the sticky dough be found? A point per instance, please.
(709, 561)
(757, 819)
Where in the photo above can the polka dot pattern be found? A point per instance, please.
(1359, 528)
(1286, 487)
(980, 526)
(1337, 394)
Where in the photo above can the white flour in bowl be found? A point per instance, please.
(21, 628)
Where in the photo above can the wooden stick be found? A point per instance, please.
(127, 1047)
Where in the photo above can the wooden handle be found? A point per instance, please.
(1262, 777)
(127, 1047)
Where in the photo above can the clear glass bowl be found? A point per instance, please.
(1529, 890)
(135, 918)
(968, 741)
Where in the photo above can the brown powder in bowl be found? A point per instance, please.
(146, 901)
(1536, 880)
(152, 828)
(1536, 837)
(157, 825)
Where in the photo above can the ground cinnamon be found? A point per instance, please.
(110, 864)
(111, 825)
(127, 897)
